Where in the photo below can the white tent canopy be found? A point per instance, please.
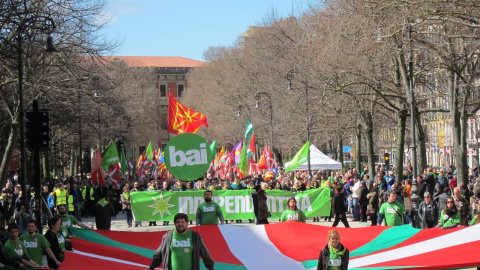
(320, 161)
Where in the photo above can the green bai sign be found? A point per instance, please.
(187, 156)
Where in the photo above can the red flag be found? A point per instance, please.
(269, 158)
(251, 166)
(98, 175)
(115, 173)
(262, 163)
(130, 170)
(182, 119)
(251, 146)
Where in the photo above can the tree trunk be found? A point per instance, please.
(370, 145)
(401, 124)
(340, 150)
(358, 149)
(7, 155)
(459, 129)
(73, 161)
(421, 150)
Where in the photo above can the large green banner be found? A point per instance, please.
(235, 204)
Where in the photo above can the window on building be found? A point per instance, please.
(164, 121)
(181, 89)
(163, 90)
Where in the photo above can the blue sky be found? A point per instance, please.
(187, 28)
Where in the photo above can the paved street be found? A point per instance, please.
(120, 224)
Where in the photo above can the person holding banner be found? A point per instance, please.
(334, 255)
(182, 248)
(208, 212)
(293, 213)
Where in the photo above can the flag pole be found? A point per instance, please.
(168, 112)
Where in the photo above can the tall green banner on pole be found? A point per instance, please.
(235, 204)
(299, 158)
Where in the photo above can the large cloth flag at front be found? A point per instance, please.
(286, 246)
(299, 158)
(182, 119)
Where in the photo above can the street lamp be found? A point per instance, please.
(48, 27)
(412, 105)
(290, 78)
(270, 107)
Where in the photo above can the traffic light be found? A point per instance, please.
(37, 132)
(44, 130)
(31, 129)
(387, 159)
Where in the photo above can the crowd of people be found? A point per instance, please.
(433, 199)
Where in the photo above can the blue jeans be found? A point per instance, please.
(356, 212)
(128, 216)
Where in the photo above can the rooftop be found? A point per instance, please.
(157, 61)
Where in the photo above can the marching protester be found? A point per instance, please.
(334, 255)
(450, 216)
(127, 205)
(340, 208)
(15, 251)
(36, 244)
(393, 212)
(427, 211)
(57, 242)
(181, 248)
(209, 212)
(292, 213)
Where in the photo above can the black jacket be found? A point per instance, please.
(55, 247)
(362, 196)
(325, 257)
(339, 206)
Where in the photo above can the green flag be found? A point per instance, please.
(299, 158)
(243, 162)
(148, 152)
(110, 157)
(213, 148)
(248, 130)
(123, 162)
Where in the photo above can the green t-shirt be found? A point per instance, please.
(12, 250)
(61, 236)
(208, 213)
(474, 220)
(393, 213)
(35, 245)
(69, 220)
(335, 262)
(293, 215)
(181, 250)
(449, 221)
